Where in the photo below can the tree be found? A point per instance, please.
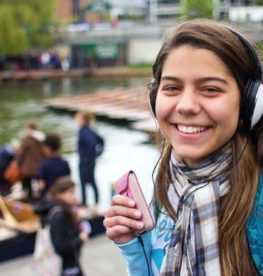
(25, 24)
(197, 8)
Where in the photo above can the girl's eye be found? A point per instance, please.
(211, 90)
(170, 88)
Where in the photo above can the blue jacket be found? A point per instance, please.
(255, 229)
(144, 256)
(90, 144)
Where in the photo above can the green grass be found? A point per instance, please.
(140, 65)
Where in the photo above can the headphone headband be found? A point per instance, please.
(251, 52)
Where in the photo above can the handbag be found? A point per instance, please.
(46, 261)
(13, 172)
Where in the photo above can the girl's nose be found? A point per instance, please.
(188, 102)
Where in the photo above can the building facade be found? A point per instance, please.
(67, 10)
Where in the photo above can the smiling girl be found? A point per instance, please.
(206, 95)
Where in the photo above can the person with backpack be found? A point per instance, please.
(90, 145)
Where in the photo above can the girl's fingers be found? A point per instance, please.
(114, 233)
(123, 200)
(133, 225)
(123, 211)
(122, 219)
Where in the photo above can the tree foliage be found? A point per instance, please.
(197, 8)
(25, 24)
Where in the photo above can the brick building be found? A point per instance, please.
(68, 9)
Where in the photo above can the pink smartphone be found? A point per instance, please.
(128, 185)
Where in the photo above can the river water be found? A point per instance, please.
(125, 148)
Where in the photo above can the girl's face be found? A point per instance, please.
(197, 104)
(68, 197)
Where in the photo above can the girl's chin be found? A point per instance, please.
(190, 157)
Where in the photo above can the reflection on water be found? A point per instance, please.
(23, 101)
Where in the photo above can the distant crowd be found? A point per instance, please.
(36, 162)
(44, 60)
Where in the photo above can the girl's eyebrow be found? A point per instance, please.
(204, 79)
(170, 78)
(212, 79)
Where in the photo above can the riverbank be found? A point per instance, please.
(105, 72)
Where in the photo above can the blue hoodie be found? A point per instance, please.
(255, 229)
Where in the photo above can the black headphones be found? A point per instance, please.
(252, 102)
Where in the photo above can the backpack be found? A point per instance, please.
(99, 148)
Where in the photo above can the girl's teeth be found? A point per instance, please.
(190, 129)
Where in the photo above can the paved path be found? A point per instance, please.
(99, 258)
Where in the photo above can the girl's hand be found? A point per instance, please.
(122, 220)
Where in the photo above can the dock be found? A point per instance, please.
(119, 104)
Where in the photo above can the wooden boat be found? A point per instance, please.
(19, 224)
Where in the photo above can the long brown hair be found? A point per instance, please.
(235, 207)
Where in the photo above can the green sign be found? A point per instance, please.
(102, 50)
(107, 51)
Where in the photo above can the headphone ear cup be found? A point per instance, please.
(248, 104)
(245, 108)
(257, 108)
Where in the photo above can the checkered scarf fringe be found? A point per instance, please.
(194, 193)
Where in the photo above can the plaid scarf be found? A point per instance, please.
(194, 193)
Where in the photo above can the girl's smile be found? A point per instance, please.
(191, 134)
(190, 129)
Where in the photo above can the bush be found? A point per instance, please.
(197, 8)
